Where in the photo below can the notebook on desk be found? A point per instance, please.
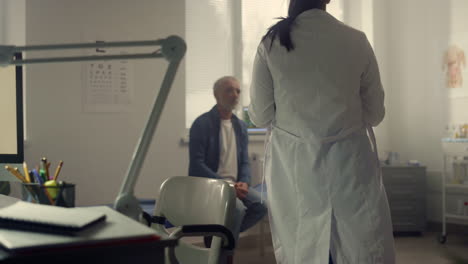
(16, 214)
(118, 239)
(117, 228)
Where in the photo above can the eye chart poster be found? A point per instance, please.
(107, 85)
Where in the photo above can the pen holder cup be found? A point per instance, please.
(61, 195)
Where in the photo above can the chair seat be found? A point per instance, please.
(199, 207)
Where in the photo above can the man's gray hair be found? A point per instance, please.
(219, 83)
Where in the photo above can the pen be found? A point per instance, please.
(48, 169)
(44, 166)
(15, 173)
(37, 177)
(26, 172)
(42, 175)
(31, 176)
(57, 171)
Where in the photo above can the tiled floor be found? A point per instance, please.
(410, 250)
(426, 249)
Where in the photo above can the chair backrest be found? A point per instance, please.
(185, 200)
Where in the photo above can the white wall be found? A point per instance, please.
(379, 17)
(410, 38)
(366, 15)
(419, 106)
(97, 147)
(12, 22)
(459, 36)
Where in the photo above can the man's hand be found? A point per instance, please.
(242, 189)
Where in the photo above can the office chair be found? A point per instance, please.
(196, 207)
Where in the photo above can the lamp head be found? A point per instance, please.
(6, 55)
(173, 48)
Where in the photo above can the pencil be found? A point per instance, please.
(20, 176)
(46, 192)
(26, 172)
(57, 171)
(15, 173)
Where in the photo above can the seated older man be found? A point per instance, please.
(219, 149)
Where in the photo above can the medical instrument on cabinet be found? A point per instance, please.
(171, 48)
(454, 179)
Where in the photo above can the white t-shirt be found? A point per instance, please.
(227, 168)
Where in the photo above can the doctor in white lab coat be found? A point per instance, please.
(316, 82)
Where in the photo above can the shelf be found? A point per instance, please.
(458, 217)
(457, 186)
(455, 140)
(456, 189)
(455, 148)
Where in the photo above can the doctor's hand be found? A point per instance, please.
(242, 189)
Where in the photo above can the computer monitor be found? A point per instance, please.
(11, 114)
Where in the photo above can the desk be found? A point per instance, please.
(118, 240)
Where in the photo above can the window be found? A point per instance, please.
(336, 9)
(222, 38)
(210, 41)
(257, 17)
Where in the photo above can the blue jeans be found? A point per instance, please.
(248, 212)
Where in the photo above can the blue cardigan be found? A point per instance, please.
(204, 146)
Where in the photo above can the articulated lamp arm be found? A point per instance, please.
(126, 202)
(172, 49)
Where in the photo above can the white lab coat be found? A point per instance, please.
(324, 184)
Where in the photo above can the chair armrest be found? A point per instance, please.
(201, 230)
(161, 220)
(206, 230)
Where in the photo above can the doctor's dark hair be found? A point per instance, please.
(284, 26)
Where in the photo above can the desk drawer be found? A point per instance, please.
(411, 209)
(403, 176)
(408, 223)
(405, 193)
(407, 207)
(408, 227)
